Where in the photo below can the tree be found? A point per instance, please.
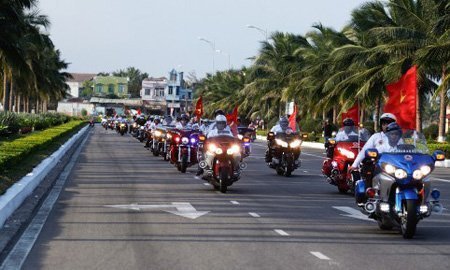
(136, 77)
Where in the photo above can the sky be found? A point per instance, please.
(156, 36)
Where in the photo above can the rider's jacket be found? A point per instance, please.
(379, 141)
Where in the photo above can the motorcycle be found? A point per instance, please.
(158, 141)
(183, 148)
(340, 155)
(225, 153)
(123, 128)
(141, 135)
(401, 193)
(285, 149)
(246, 136)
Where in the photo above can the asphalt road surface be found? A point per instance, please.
(122, 208)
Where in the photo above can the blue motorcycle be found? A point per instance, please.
(397, 191)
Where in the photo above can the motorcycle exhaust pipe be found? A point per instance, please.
(202, 164)
(369, 207)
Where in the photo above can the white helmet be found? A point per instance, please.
(388, 115)
(221, 122)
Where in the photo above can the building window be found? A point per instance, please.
(147, 91)
(98, 88)
(111, 88)
(189, 95)
(170, 90)
(121, 88)
(178, 91)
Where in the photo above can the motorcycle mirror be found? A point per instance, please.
(371, 153)
(438, 155)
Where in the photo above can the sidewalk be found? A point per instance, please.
(316, 145)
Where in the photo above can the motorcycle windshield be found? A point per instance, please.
(405, 141)
(352, 134)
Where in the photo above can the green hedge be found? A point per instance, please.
(14, 123)
(440, 146)
(13, 151)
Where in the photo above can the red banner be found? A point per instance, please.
(402, 99)
(232, 121)
(293, 119)
(352, 113)
(199, 107)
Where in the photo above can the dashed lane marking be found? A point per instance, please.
(254, 215)
(281, 232)
(320, 255)
(234, 202)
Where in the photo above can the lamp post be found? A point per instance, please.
(213, 47)
(229, 56)
(262, 31)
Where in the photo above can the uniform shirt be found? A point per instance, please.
(378, 141)
(180, 126)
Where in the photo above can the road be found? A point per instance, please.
(264, 221)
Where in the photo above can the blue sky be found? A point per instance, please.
(158, 35)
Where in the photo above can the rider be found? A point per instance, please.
(347, 131)
(282, 127)
(184, 122)
(376, 140)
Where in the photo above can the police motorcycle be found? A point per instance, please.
(158, 142)
(341, 153)
(122, 127)
(183, 148)
(246, 136)
(400, 192)
(285, 150)
(225, 152)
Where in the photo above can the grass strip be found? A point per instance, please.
(20, 156)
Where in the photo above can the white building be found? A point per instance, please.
(76, 83)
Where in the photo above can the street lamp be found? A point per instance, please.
(213, 47)
(229, 56)
(262, 31)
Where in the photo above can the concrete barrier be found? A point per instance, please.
(17, 193)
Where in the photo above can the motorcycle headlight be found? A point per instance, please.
(295, 143)
(388, 168)
(425, 170)
(240, 136)
(168, 136)
(122, 125)
(400, 174)
(193, 140)
(234, 149)
(219, 151)
(347, 153)
(158, 133)
(281, 143)
(212, 148)
(142, 128)
(134, 125)
(417, 174)
(185, 140)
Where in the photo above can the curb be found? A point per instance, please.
(17, 193)
(316, 145)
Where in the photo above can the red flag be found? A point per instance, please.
(232, 121)
(402, 99)
(139, 111)
(293, 119)
(352, 113)
(199, 107)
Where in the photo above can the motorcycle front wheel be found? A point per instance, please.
(409, 219)
(184, 164)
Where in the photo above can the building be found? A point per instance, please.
(153, 95)
(167, 96)
(178, 97)
(76, 83)
(105, 86)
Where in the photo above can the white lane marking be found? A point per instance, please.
(353, 213)
(254, 215)
(305, 171)
(183, 209)
(234, 202)
(20, 252)
(206, 184)
(440, 180)
(319, 255)
(281, 232)
(196, 177)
